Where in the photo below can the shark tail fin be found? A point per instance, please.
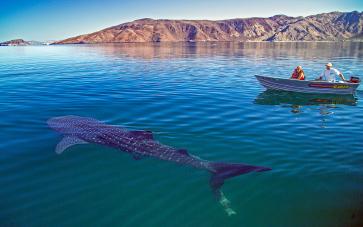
(222, 171)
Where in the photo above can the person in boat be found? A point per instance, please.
(298, 74)
(330, 73)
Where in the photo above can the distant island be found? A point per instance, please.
(334, 26)
(15, 42)
(22, 42)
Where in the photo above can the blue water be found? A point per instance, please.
(202, 97)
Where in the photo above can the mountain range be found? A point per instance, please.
(333, 26)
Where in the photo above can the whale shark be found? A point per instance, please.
(139, 144)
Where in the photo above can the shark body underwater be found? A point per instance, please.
(83, 130)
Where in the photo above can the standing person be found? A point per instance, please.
(298, 74)
(330, 73)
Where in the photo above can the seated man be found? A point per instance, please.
(298, 74)
(330, 73)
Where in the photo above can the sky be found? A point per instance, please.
(44, 20)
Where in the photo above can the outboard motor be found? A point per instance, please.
(354, 79)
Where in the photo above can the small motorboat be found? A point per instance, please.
(309, 86)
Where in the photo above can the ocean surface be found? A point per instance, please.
(199, 96)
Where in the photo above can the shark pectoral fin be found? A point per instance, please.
(144, 135)
(67, 142)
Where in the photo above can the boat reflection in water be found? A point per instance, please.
(297, 100)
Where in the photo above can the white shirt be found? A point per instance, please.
(329, 74)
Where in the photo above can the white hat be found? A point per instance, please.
(329, 64)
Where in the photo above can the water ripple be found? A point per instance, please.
(202, 97)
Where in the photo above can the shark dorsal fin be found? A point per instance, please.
(183, 151)
(67, 142)
(145, 135)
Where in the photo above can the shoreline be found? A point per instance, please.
(318, 41)
(189, 42)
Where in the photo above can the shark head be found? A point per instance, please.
(61, 124)
(69, 124)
